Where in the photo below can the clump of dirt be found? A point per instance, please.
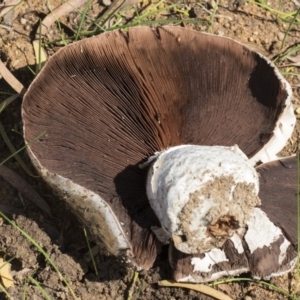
(231, 208)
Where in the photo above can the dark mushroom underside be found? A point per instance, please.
(109, 102)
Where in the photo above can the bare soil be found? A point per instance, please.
(61, 236)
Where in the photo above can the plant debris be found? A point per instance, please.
(5, 275)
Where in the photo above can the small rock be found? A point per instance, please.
(280, 36)
(211, 4)
(28, 27)
(106, 2)
(220, 33)
(23, 21)
(220, 20)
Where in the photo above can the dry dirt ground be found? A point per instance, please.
(62, 236)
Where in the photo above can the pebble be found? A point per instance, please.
(28, 27)
(220, 33)
(238, 31)
(280, 36)
(23, 21)
(220, 20)
(106, 2)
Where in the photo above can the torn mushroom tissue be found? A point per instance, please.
(202, 194)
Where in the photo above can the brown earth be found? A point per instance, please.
(62, 236)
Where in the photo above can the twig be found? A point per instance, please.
(8, 6)
(24, 188)
(196, 287)
(11, 79)
(58, 12)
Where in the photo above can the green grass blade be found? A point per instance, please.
(21, 149)
(91, 253)
(271, 286)
(212, 19)
(25, 290)
(110, 15)
(82, 19)
(7, 262)
(132, 24)
(14, 151)
(63, 40)
(8, 101)
(289, 52)
(45, 294)
(6, 93)
(155, 11)
(289, 28)
(274, 11)
(155, 22)
(3, 289)
(41, 250)
(31, 71)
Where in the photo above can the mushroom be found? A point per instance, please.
(107, 104)
(268, 248)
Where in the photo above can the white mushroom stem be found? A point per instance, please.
(202, 194)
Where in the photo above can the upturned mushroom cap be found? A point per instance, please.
(108, 103)
(267, 248)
